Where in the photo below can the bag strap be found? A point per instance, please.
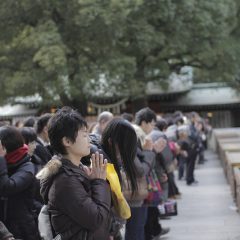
(50, 218)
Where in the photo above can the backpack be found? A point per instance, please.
(45, 226)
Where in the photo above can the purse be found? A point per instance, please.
(155, 192)
(140, 194)
(168, 208)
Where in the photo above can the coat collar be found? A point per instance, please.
(72, 169)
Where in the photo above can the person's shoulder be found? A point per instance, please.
(26, 165)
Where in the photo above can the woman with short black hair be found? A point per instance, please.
(17, 185)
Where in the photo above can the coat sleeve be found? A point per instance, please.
(89, 211)
(18, 181)
(144, 162)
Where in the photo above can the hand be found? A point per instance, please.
(99, 167)
(159, 145)
(87, 170)
(2, 150)
(148, 145)
(184, 153)
(177, 148)
(164, 177)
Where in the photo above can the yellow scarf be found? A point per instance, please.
(120, 204)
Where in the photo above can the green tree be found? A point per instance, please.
(67, 50)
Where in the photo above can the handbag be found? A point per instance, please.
(168, 208)
(155, 192)
(140, 194)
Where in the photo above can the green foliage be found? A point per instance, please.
(68, 50)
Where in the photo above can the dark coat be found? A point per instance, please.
(17, 185)
(38, 201)
(77, 205)
(42, 152)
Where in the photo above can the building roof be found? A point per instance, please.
(209, 94)
(18, 110)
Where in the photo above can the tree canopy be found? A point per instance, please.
(67, 50)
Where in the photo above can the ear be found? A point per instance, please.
(66, 142)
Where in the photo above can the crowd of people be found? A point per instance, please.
(62, 177)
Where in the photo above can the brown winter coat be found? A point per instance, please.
(79, 207)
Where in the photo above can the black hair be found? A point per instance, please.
(145, 114)
(177, 114)
(127, 116)
(42, 122)
(66, 122)
(11, 138)
(29, 122)
(161, 124)
(178, 120)
(170, 121)
(120, 133)
(29, 134)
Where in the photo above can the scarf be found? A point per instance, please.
(16, 155)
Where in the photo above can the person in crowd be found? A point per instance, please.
(145, 119)
(160, 165)
(30, 137)
(168, 159)
(118, 144)
(17, 185)
(144, 162)
(161, 124)
(43, 150)
(194, 144)
(173, 191)
(171, 131)
(202, 142)
(182, 134)
(29, 122)
(127, 116)
(103, 119)
(78, 198)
